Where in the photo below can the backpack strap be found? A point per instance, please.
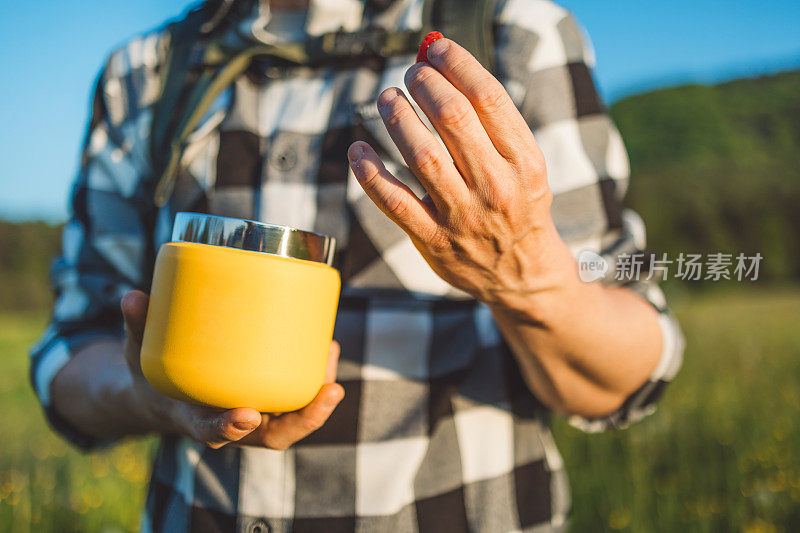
(181, 37)
(187, 92)
(470, 24)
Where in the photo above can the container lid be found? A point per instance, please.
(253, 236)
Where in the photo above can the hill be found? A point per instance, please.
(717, 168)
(26, 250)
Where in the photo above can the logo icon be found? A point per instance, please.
(591, 266)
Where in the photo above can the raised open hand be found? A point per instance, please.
(484, 225)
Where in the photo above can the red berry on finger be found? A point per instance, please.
(427, 41)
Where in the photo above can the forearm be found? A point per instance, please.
(583, 348)
(94, 393)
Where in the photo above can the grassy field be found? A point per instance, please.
(720, 455)
(45, 485)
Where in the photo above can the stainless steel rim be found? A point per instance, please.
(254, 236)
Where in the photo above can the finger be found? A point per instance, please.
(392, 196)
(283, 431)
(456, 121)
(134, 312)
(218, 428)
(422, 152)
(333, 362)
(498, 114)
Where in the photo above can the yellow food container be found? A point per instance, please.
(241, 314)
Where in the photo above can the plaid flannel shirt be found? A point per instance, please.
(437, 431)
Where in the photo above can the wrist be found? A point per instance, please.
(139, 414)
(154, 413)
(547, 287)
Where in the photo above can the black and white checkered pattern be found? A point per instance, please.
(437, 431)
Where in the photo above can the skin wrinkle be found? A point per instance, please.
(455, 120)
(424, 157)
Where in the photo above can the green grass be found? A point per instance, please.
(46, 485)
(720, 454)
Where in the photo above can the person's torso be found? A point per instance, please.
(437, 431)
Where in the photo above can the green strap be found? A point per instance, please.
(469, 23)
(181, 37)
(202, 95)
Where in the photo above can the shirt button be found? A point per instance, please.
(258, 526)
(284, 160)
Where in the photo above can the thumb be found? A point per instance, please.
(134, 312)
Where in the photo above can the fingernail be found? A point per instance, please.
(355, 154)
(244, 426)
(334, 399)
(438, 48)
(387, 96)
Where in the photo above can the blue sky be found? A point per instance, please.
(52, 51)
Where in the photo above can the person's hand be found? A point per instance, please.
(215, 427)
(484, 225)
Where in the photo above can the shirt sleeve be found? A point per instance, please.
(106, 244)
(545, 61)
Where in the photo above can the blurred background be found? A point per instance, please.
(707, 96)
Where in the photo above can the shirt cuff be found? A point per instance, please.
(48, 357)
